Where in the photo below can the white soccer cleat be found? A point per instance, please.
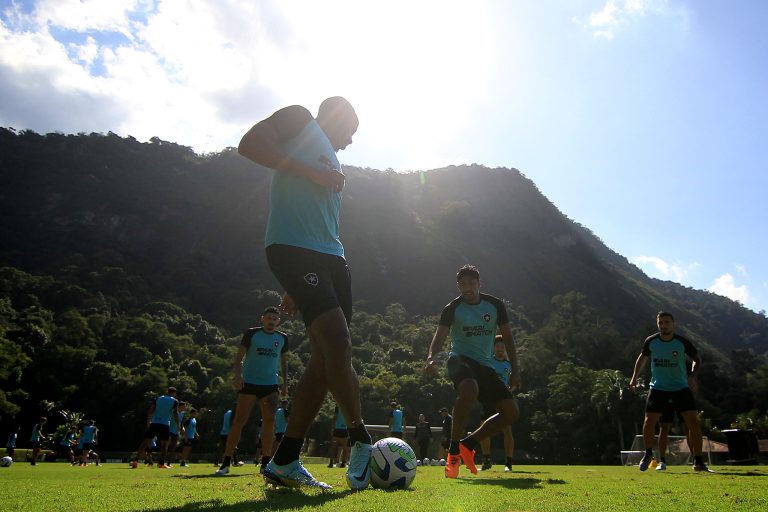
(292, 475)
(359, 469)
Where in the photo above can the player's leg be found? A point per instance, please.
(664, 427)
(268, 406)
(333, 451)
(466, 396)
(509, 447)
(649, 436)
(695, 438)
(485, 450)
(245, 402)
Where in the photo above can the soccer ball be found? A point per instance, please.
(418, 462)
(426, 461)
(393, 464)
(442, 462)
(5, 462)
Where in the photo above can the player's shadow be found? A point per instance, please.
(211, 475)
(274, 500)
(733, 473)
(511, 483)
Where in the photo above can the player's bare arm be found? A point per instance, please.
(639, 366)
(237, 369)
(284, 373)
(287, 306)
(515, 379)
(693, 381)
(260, 145)
(441, 333)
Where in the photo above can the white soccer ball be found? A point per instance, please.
(393, 464)
(418, 462)
(5, 462)
(426, 461)
(442, 462)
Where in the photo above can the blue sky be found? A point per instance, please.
(644, 120)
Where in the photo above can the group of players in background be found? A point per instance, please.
(305, 255)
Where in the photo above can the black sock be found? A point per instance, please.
(649, 453)
(470, 442)
(359, 434)
(264, 461)
(227, 461)
(698, 460)
(487, 458)
(288, 451)
(509, 462)
(453, 448)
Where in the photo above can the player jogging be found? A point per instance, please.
(671, 386)
(256, 380)
(307, 258)
(163, 410)
(190, 437)
(89, 438)
(472, 320)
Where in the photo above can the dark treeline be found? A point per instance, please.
(130, 266)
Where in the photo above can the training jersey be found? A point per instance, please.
(397, 420)
(36, 431)
(191, 428)
(502, 368)
(302, 213)
(262, 355)
(80, 443)
(473, 326)
(423, 432)
(447, 425)
(165, 407)
(89, 434)
(341, 423)
(669, 371)
(280, 420)
(227, 423)
(67, 439)
(11, 440)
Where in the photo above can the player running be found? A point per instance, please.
(472, 320)
(256, 380)
(163, 410)
(190, 437)
(671, 387)
(89, 438)
(307, 258)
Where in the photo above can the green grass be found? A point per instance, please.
(115, 487)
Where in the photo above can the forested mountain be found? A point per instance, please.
(141, 241)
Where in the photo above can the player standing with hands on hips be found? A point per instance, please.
(472, 320)
(307, 258)
(672, 387)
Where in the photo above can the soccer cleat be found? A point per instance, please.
(507, 469)
(359, 467)
(644, 463)
(184, 465)
(702, 468)
(452, 466)
(330, 464)
(162, 466)
(134, 464)
(661, 466)
(223, 470)
(291, 475)
(486, 466)
(468, 457)
(239, 464)
(342, 464)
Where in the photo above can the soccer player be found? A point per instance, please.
(396, 421)
(163, 410)
(423, 436)
(445, 439)
(307, 258)
(281, 422)
(89, 440)
(176, 430)
(671, 386)
(503, 369)
(10, 445)
(472, 320)
(339, 440)
(36, 438)
(65, 445)
(261, 350)
(190, 437)
(226, 426)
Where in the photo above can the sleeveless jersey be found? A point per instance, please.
(397, 420)
(341, 423)
(280, 422)
(473, 326)
(89, 434)
(227, 423)
(191, 429)
(164, 409)
(502, 368)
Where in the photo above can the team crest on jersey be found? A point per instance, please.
(311, 279)
(674, 353)
(487, 317)
(277, 343)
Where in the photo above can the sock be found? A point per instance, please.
(453, 448)
(470, 442)
(288, 451)
(698, 460)
(663, 459)
(509, 462)
(359, 434)
(487, 458)
(264, 461)
(227, 461)
(648, 453)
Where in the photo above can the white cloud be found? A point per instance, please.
(615, 14)
(677, 271)
(725, 285)
(741, 269)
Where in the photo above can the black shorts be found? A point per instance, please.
(491, 390)
(190, 442)
(10, 450)
(63, 451)
(279, 436)
(34, 444)
(445, 442)
(88, 446)
(259, 390)
(317, 282)
(162, 432)
(669, 402)
(398, 435)
(174, 435)
(341, 433)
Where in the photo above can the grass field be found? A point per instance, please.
(115, 487)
